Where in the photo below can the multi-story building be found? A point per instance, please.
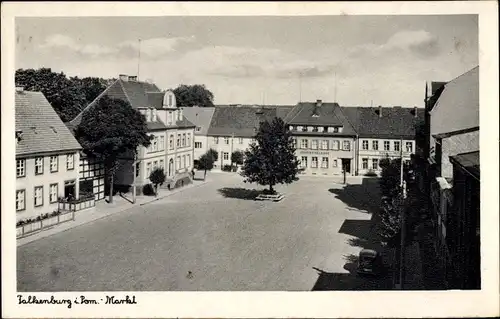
(172, 146)
(201, 117)
(383, 132)
(324, 137)
(47, 157)
(452, 149)
(233, 128)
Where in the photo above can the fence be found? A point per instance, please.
(41, 224)
(74, 205)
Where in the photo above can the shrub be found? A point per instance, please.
(157, 177)
(371, 173)
(226, 168)
(37, 219)
(148, 190)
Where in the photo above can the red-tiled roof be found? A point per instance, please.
(42, 129)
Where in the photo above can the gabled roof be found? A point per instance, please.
(240, 121)
(395, 122)
(457, 107)
(200, 117)
(42, 129)
(138, 95)
(469, 162)
(328, 114)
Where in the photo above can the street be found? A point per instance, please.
(215, 237)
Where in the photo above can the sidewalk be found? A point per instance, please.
(104, 209)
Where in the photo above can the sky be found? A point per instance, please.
(349, 59)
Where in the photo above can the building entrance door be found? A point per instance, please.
(346, 165)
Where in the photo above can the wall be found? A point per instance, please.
(457, 144)
(334, 156)
(221, 147)
(203, 139)
(379, 154)
(30, 181)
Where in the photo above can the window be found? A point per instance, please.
(20, 200)
(304, 129)
(226, 140)
(314, 144)
(148, 115)
(315, 129)
(365, 163)
(137, 169)
(294, 142)
(38, 165)
(148, 169)
(290, 128)
(375, 145)
(183, 161)
(178, 140)
(240, 140)
(184, 139)
(198, 129)
(324, 144)
(375, 163)
(155, 144)
(409, 147)
(320, 129)
(154, 115)
(226, 156)
(54, 163)
(170, 100)
(324, 162)
(155, 165)
(299, 128)
(335, 129)
(314, 162)
(161, 143)
(70, 162)
(397, 146)
(365, 145)
(178, 162)
(387, 145)
(303, 143)
(346, 146)
(188, 142)
(310, 129)
(334, 163)
(53, 193)
(303, 161)
(38, 195)
(335, 145)
(197, 144)
(188, 160)
(171, 142)
(21, 168)
(216, 140)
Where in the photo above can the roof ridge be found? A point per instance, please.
(456, 78)
(349, 121)
(93, 102)
(125, 92)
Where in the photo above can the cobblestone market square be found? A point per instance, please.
(212, 238)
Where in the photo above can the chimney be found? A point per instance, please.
(132, 78)
(123, 77)
(319, 103)
(415, 111)
(380, 111)
(19, 89)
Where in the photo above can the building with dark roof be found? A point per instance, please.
(172, 147)
(201, 117)
(47, 156)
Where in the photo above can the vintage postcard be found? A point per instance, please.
(265, 160)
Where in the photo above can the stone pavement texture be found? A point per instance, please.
(103, 209)
(214, 237)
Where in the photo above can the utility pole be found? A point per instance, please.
(300, 87)
(335, 97)
(402, 220)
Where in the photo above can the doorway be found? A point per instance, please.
(346, 165)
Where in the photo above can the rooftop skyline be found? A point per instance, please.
(353, 60)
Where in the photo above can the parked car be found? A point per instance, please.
(369, 262)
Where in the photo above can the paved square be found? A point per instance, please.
(212, 238)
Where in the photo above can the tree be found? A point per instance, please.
(193, 95)
(110, 130)
(157, 177)
(391, 205)
(65, 97)
(237, 158)
(271, 159)
(91, 87)
(206, 162)
(213, 154)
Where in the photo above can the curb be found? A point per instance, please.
(99, 218)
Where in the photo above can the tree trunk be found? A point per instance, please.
(205, 176)
(271, 189)
(111, 189)
(156, 190)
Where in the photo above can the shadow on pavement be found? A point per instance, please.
(363, 197)
(240, 193)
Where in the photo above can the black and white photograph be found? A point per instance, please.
(248, 153)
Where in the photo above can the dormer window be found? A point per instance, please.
(304, 129)
(148, 115)
(310, 129)
(320, 129)
(335, 129)
(290, 127)
(330, 129)
(299, 128)
(154, 115)
(315, 129)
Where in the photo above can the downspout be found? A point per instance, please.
(356, 153)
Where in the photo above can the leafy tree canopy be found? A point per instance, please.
(237, 157)
(271, 159)
(68, 96)
(157, 177)
(213, 154)
(193, 95)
